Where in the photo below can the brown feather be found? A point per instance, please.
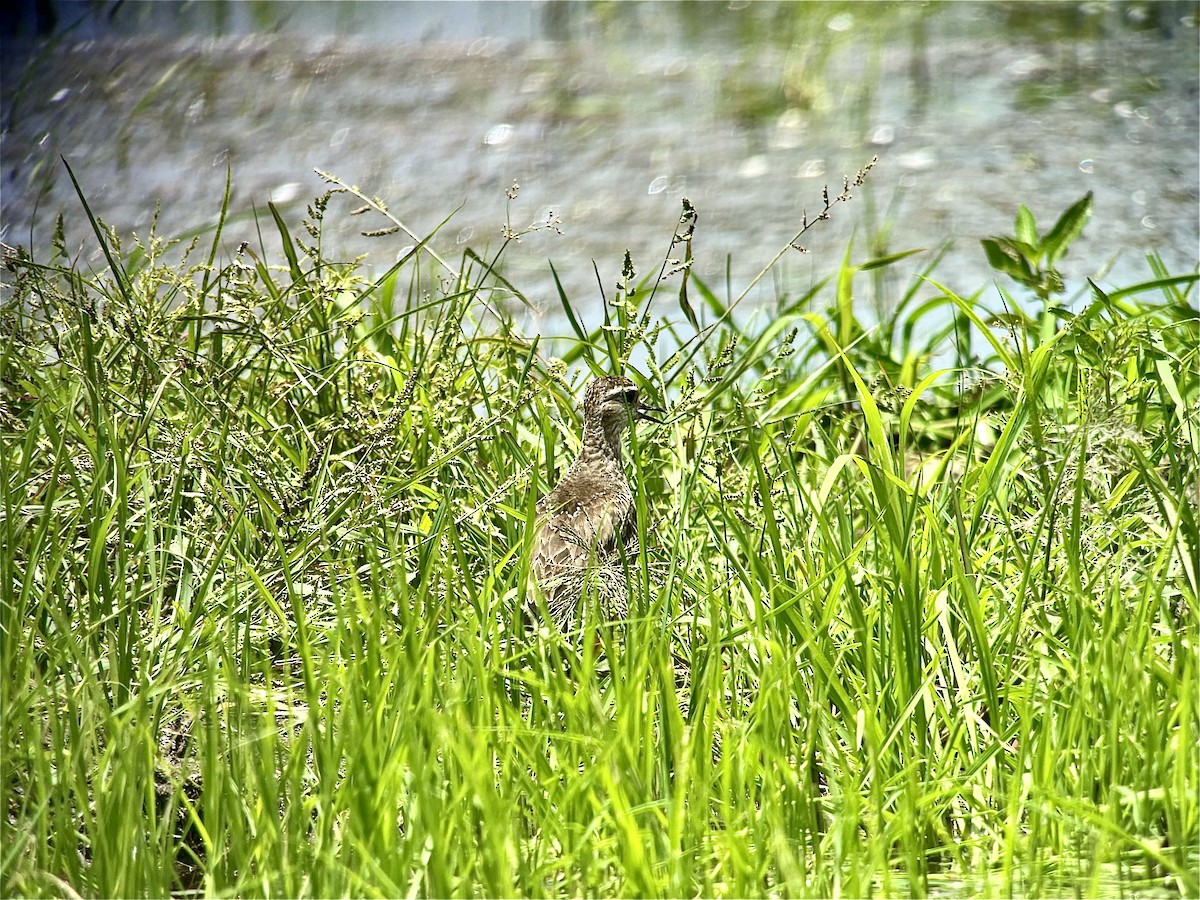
(589, 520)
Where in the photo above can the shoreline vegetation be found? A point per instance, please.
(264, 545)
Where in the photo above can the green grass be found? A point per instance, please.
(264, 549)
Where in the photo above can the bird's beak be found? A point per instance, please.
(644, 410)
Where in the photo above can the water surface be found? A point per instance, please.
(608, 115)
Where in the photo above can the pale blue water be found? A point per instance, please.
(609, 114)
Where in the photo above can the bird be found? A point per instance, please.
(588, 521)
(586, 527)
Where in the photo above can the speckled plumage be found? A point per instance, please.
(588, 520)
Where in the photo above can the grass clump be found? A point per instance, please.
(265, 546)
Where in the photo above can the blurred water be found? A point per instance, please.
(608, 114)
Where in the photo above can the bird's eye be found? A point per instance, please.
(625, 396)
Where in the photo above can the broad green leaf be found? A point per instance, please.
(1025, 229)
(1068, 227)
(1003, 257)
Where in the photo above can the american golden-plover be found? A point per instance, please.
(589, 521)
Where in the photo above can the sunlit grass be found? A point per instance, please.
(264, 550)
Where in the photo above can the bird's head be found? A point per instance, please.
(614, 401)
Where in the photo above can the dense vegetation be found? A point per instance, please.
(264, 549)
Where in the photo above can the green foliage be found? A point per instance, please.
(1030, 259)
(264, 552)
